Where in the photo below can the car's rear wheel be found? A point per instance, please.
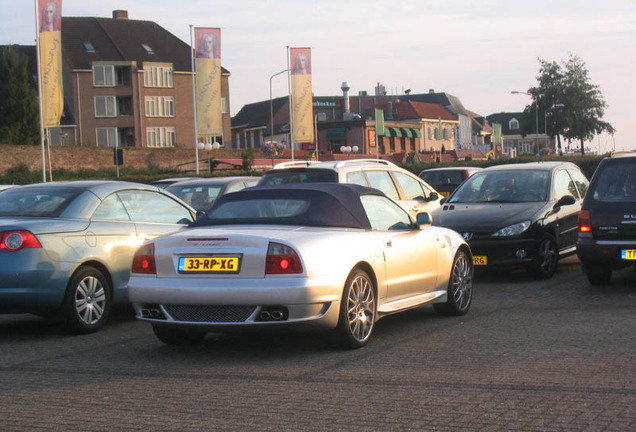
(358, 310)
(597, 275)
(460, 287)
(88, 301)
(545, 262)
(177, 336)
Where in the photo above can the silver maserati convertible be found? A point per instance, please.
(320, 256)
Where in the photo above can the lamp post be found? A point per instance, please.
(271, 104)
(208, 147)
(536, 117)
(349, 149)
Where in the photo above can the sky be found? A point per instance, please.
(478, 51)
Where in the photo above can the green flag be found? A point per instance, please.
(380, 130)
(496, 131)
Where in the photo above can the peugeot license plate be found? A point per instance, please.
(480, 260)
(213, 264)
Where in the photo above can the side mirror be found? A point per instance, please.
(564, 201)
(433, 196)
(424, 219)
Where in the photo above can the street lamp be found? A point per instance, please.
(348, 150)
(536, 117)
(271, 103)
(208, 147)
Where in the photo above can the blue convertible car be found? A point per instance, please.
(66, 248)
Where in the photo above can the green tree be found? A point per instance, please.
(19, 113)
(567, 102)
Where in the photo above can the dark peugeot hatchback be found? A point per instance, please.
(518, 214)
(607, 223)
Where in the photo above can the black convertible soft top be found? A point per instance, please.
(326, 204)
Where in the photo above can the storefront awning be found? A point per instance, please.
(395, 132)
(406, 132)
(417, 133)
(337, 134)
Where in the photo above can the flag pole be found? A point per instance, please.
(37, 56)
(194, 104)
(291, 122)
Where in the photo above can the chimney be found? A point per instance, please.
(431, 91)
(120, 14)
(345, 95)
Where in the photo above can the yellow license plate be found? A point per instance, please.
(215, 264)
(628, 254)
(445, 194)
(480, 260)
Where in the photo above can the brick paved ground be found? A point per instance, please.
(555, 355)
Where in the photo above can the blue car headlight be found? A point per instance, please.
(512, 230)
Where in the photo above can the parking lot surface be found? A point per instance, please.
(555, 355)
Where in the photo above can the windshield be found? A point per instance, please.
(36, 201)
(199, 197)
(504, 186)
(299, 176)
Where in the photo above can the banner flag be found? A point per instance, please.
(496, 129)
(379, 122)
(207, 49)
(50, 57)
(301, 95)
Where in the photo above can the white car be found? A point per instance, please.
(317, 256)
(407, 189)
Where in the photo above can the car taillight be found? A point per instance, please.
(585, 221)
(282, 259)
(144, 260)
(19, 239)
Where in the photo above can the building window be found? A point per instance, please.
(105, 106)
(88, 47)
(160, 136)
(158, 76)
(159, 106)
(106, 137)
(223, 105)
(148, 49)
(526, 147)
(104, 75)
(513, 124)
(430, 133)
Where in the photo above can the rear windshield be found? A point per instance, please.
(437, 178)
(37, 202)
(616, 182)
(299, 176)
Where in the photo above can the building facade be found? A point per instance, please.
(129, 83)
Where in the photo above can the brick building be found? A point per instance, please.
(128, 83)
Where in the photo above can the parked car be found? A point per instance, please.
(315, 256)
(164, 183)
(518, 214)
(407, 189)
(607, 222)
(445, 180)
(201, 193)
(5, 186)
(66, 247)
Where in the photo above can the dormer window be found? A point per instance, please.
(148, 49)
(513, 124)
(88, 47)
